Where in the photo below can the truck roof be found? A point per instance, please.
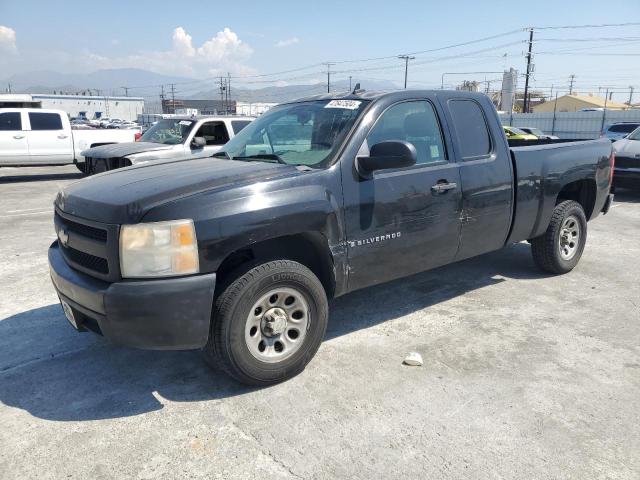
(376, 94)
(210, 117)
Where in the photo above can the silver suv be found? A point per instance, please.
(619, 130)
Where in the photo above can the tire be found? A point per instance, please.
(559, 249)
(81, 166)
(254, 310)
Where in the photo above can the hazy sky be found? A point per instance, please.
(204, 39)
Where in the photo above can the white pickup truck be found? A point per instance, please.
(34, 136)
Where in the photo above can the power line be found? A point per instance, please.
(592, 39)
(601, 25)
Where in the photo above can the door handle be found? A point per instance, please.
(443, 187)
(62, 137)
(18, 137)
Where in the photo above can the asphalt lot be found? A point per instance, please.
(526, 376)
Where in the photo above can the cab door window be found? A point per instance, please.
(10, 121)
(215, 133)
(415, 122)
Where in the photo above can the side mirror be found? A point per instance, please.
(386, 155)
(198, 142)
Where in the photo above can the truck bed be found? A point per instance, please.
(542, 167)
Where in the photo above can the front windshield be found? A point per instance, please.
(635, 135)
(517, 131)
(305, 133)
(169, 131)
(535, 131)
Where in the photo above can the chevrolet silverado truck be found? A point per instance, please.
(35, 136)
(177, 138)
(238, 254)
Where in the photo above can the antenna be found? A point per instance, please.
(357, 89)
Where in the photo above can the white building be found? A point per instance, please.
(88, 106)
(253, 109)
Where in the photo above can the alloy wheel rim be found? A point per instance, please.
(277, 324)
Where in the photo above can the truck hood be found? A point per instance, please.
(627, 148)
(126, 195)
(119, 150)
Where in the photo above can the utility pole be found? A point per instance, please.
(328, 64)
(9, 87)
(572, 79)
(162, 98)
(525, 105)
(229, 90)
(604, 112)
(406, 59)
(173, 98)
(350, 89)
(223, 88)
(630, 95)
(126, 91)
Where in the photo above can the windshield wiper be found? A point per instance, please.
(222, 154)
(263, 156)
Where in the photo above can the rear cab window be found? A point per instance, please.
(10, 121)
(471, 129)
(45, 121)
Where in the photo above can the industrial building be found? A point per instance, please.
(204, 107)
(253, 109)
(86, 106)
(575, 103)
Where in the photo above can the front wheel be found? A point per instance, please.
(559, 249)
(268, 323)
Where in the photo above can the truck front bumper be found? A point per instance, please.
(161, 314)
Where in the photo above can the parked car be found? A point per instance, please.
(538, 133)
(514, 133)
(45, 137)
(627, 167)
(178, 138)
(619, 130)
(238, 254)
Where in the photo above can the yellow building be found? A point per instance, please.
(575, 102)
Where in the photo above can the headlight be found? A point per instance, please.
(161, 249)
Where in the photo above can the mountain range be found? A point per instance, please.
(147, 84)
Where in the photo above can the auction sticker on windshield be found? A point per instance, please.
(346, 104)
(185, 122)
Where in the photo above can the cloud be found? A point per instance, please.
(222, 53)
(287, 42)
(7, 39)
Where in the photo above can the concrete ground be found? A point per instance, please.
(526, 376)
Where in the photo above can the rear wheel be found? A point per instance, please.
(559, 249)
(81, 166)
(268, 323)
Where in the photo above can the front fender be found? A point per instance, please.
(230, 220)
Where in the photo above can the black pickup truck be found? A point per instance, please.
(238, 254)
